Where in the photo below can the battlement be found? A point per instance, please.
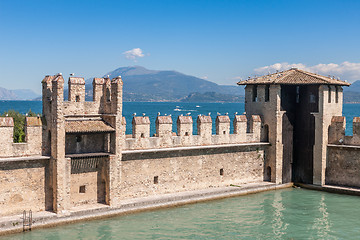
(337, 131)
(33, 139)
(107, 95)
(165, 137)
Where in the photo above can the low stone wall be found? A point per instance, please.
(343, 166)
(146, 173)
(23, 185)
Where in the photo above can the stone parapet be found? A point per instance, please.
(337, 131)
(33, 138)
(164, 137)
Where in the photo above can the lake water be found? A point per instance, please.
(282, 214)
(175, 109)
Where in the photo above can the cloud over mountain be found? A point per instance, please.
(134, 53)
(346, 70)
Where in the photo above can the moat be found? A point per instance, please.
(282, 214)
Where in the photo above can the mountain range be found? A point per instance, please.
(18, 94)
(144, 85)
(141, 84)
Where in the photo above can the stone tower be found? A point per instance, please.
(296, 108)
(83, 139)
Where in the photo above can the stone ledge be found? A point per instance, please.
(13, 224)
(22, 159)
(344, 146)
(331, 189)
(195, 147)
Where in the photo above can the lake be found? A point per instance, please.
(151, 109)
(281, 214)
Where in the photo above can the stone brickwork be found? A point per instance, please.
(152, 173)
(23, 186)
(87, 158)
(343, 154)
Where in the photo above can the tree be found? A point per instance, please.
(19, 124)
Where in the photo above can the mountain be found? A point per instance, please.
(141, 84)
(352, 93)
(212, 97)
(19, 94)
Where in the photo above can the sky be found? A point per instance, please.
(221, 41)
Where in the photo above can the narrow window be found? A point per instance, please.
(108, 98)
(142, 135)
(221, 172)
(297, 94)
(267, 93)
(224, 132)
(156, 179)
(254, 96)
(77, 98)
(336, 94)
(78, 138)
(329, 95)
(82, 189)
(186, 134)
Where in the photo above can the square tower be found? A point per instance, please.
(296, 107)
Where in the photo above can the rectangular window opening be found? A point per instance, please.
(82, 189)
(267, 93)
(77, 98)
(221, 172)
(224, 132)
(142, 135)
(156, 179)
(254, 96)
(329, 96)
(337, 94)
(186, 133)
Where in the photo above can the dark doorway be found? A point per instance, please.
(298, 136)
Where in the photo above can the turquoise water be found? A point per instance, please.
(175, 109)
(282, 214)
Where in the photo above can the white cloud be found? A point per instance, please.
(204, 77)
(346, 70)
(134, 53)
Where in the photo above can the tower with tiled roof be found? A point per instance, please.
(296, 108)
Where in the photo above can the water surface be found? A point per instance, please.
(282, 214)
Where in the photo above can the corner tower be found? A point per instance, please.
(296, 108)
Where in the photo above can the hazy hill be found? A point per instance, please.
(19, 94)
(141, 84)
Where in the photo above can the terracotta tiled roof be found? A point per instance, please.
(293, 76)
(164, 119)
(223, 119)
(184, 119)
(6, 122)
(76, 80)
(204, 119)
(33, 121)
(87, 126)
(240, 118)
(141, 120)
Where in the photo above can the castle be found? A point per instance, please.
(78, 154)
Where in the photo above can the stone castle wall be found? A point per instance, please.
(343, 154)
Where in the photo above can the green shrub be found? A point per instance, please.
(19, 124)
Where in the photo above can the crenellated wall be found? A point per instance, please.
(33, 138)
(343, 154)
(244, 132)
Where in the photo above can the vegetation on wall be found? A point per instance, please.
(19, 123)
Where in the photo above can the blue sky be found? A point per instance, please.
(221, 41)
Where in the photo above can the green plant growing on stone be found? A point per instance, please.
(19, 123)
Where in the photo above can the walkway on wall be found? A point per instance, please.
(97, 211)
